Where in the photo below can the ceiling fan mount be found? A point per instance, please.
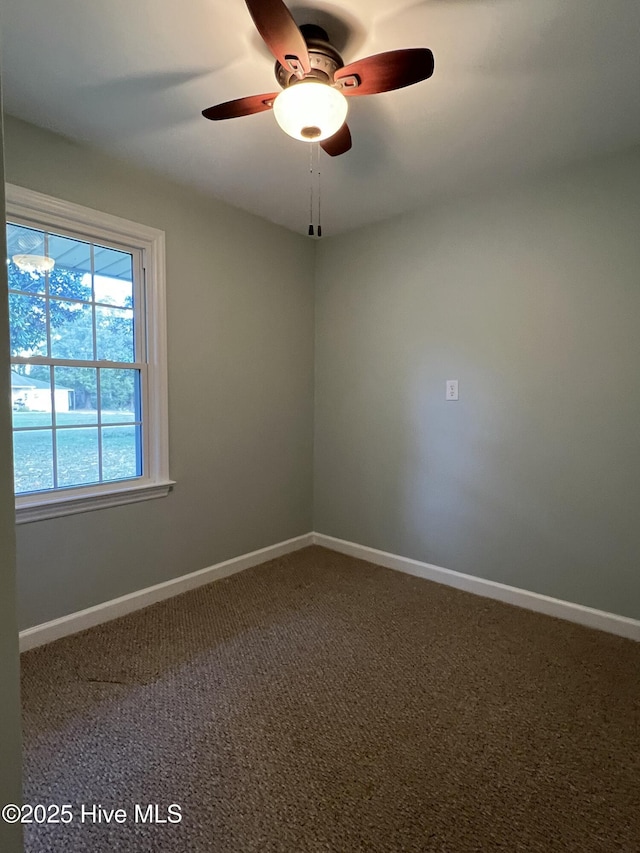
(324, 59)
(315, 82)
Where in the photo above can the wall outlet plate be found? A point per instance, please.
(451, 392)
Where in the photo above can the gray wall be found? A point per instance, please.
(240, 334)
(531, 299)
(10, 740)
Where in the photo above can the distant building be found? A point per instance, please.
(34, 395)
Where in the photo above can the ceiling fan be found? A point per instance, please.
(312, 105)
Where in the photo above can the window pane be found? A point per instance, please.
(28, 321)
(33, 460)
(31, 396)
(77, 451)
(71, 275)
(113, 277)
(22, 419)
(121, 456)
(71, 330)
(114, 334)
(76, 395)
(24, 241)
(119, 395)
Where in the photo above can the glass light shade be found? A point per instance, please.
(33, 263)
(310, 111)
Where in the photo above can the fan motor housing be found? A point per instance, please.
(323, 58)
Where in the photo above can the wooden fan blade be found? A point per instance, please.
(240, 107)
(281, 34)
(339, 143)
(385, 71)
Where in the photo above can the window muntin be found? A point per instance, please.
(97, 335)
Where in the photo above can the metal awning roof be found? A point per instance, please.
(69, 253)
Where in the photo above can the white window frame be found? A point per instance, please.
(45, 213)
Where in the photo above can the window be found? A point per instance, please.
(88, 357)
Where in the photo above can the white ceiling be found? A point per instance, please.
(519, 85)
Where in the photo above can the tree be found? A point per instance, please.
(115, 341)
(28, 314)
(71, 330)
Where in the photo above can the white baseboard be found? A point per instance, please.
(74, 622)
(623, 626)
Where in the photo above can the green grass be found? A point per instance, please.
(77, 450)
(79, 418)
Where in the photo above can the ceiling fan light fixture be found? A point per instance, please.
(310, 110)
(34, 264)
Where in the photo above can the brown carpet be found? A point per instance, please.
(320, 703)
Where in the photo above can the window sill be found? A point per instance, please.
(38, 507)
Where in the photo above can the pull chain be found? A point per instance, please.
(313, 231)
(319, 195)
(311, 191)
